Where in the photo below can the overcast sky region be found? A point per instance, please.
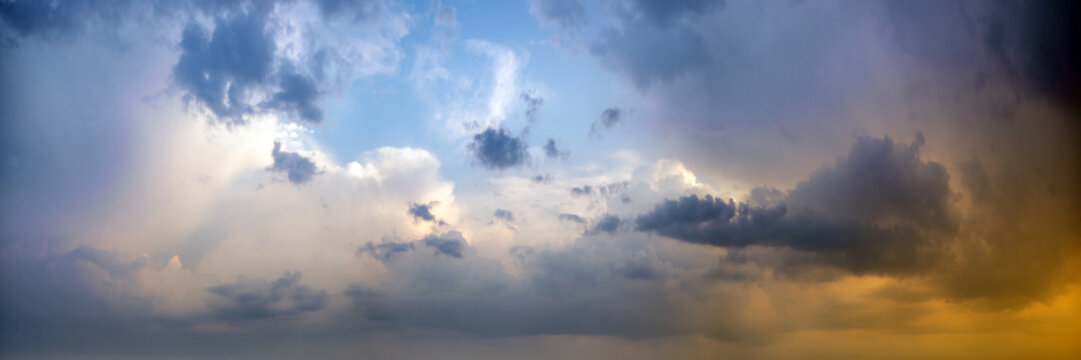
(540, 179)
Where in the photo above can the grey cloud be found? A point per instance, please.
(650, 54)
(582, 190)
(298, 97)
(572, 218)
(449, 244)
(360, 11)
(521, 252)
(542, 179)
(252, 299)
(1036, 42)
(445, 25)
(533, 103)
(66, 18)
(299, 169)
(601, 286)
(219, 69)
(385, 251)
(664, 13)
(504, 214)
(880, 209)
(552, 151)
(1033, 42)
(606, 224)
(498, 149)
(422, 212)
(609, 118)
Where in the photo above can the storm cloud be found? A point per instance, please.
(879, 209)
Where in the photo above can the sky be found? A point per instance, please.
(537, 179)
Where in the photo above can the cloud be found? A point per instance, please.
(299, 169)
(504, 214)
(385, 251)
(422, 212)
(565, 14)
(498, 149)
(220, 69)
(649, 54)
(533, 103)
(449, 244)
(358, 11)
(572, 218)
(607, 224)
(609, 118)
(664, 13)
(880, 209)
(298, 97)
(253, 299)
(553, 152)
(582, 190)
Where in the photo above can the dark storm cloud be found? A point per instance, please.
(1035, 41)
(298, 169)
(219, 68)
(422, 212)
(880, 209)
(609, 118)
(552, 151)
(1047, 46)
(252, 299)
(533, 103)
(566, 14)
(498, 149)
(298, 97)
(504, 214)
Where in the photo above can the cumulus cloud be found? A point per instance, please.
(498, 149)
(297, 168)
